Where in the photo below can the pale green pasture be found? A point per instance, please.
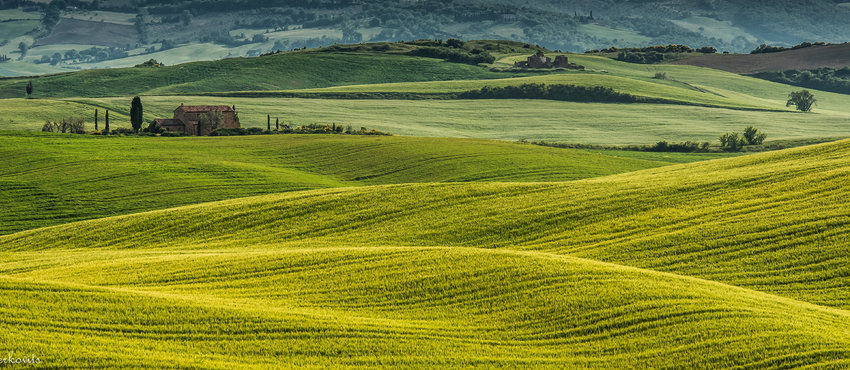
(291, 35)
(14, 68)
(35, 53)
(644, 86)
(8, 14)
(11, 49)
(13, 29)
(587, 123)
(102, 16)
(713, 28)
(622, 36)
(743, 89)
(178, 55)
(506, 30)
(30, 114)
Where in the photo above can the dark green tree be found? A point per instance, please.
(136, 114)
(95, 119)
(753, 136)
(29, 90)
(803, 100)
(106, 124)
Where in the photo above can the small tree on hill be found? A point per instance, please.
(753, 136)
(136, 114)
(803, 100)
(106, 123)
(29, 90)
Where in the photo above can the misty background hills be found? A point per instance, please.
(81, 34)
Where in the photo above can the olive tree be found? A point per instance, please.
(803, 100)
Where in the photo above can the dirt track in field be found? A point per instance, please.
(833, 56)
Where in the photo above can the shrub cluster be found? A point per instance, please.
(650, 57)
(652, 54)
(313, 128)
(72, 125)
(150, 63)
(764, 48)
(661, 146)
(826, 79)
(457, 55)
(672, 48)
(734, 142)
(551, 92)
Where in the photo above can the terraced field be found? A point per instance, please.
(735, 263)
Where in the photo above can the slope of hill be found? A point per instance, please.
(774, 222)
(406, 275)
(291, 70)
(50, 179)
(832, 56)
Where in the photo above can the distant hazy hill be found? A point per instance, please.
(79, 34)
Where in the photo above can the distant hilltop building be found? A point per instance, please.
(186, 119)
(541, 61)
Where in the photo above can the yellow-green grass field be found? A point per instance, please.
(734, 263)
(14, 68)
(668, 91)
(50, 179)
(587, 123)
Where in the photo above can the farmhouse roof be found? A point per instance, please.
(168, 122)
(205, 108)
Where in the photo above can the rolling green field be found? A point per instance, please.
(51, 179)
(734, 263)
(588, 123)
(436, 248)
(707, 102)
(292, 70)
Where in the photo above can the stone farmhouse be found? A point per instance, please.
(541, 61)
(186, 119)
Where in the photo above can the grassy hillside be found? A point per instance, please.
(50, 179)
(773, 222)
(459, 275)
(594, 123)
(587, 123)
(397, 307)
(291, 70)
(15, 68)
(669, 92)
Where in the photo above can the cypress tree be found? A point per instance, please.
(107, 122)
(277, 123)
(136, 115)
(269, 122)
(95, 119)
